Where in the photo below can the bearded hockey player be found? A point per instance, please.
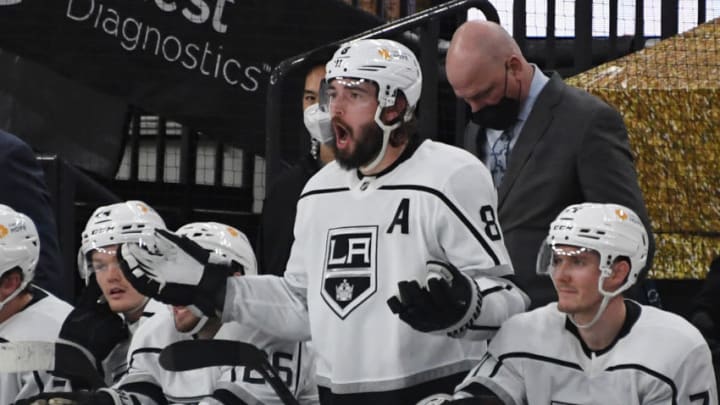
(27, 313)
(391, 209)
(593, 346)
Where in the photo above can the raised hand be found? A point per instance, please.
(177, 271)
(448, 303)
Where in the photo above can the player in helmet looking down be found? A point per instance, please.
(592, 339)
(110, 309)
(390, 212)
(27, 312)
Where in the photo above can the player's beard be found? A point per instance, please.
(368, 142)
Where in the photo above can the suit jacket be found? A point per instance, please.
(573, 148)
(23, 188)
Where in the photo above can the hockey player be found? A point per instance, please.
(593, 346)
(150, 384)
(27, 313)
(111, 309)
(386, 207)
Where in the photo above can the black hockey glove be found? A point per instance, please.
(449, 304)
(93, 326)
(177, 271)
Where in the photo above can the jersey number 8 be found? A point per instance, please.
(492, 230)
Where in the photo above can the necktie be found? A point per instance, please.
(499, 157)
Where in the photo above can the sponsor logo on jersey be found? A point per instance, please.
(350, 268)
(3, 231)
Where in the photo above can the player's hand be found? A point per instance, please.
(177, 271)
(448, 304)
(93, 326)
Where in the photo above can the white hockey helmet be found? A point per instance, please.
(390, 65)
(611, 230)
(19, 247)
(224, 240)
(116, 224)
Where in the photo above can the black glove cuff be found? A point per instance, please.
(472, 314)
(213, 287)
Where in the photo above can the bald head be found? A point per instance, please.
(484, 39)
(478, 45)
(479, 53)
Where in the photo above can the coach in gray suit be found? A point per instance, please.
(548, 145)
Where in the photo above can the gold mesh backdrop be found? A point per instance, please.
(669, 96)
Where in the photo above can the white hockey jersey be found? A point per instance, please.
(115, 364)
(539, 358)
(355, 239)
(40, 320)
(292, 360)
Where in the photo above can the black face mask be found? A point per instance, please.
(500, 116)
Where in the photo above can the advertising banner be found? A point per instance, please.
(203, 63)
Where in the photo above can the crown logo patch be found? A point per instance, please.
(344, 291)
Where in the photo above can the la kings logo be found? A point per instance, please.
(350, 270)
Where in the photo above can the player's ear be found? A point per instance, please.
(620, 272)
(395, 112)
(9, 282)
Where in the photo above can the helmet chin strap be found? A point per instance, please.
(387, 130)
(607, 296)
(201, 324)
(599, 313)
(14, 294)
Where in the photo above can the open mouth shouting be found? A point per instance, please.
(342, 135)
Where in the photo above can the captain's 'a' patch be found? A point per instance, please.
(350, 271)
